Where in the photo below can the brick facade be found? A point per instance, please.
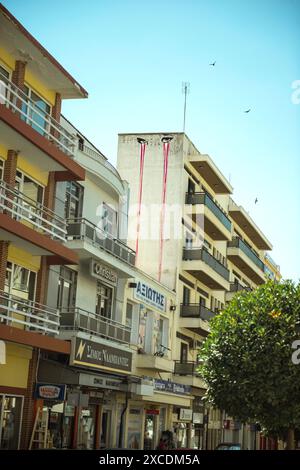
(18, 74)
(10, 167)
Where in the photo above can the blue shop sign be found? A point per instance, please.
(150, 296)
(171, 387)
(50, 391)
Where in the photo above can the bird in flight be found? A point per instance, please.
(256, 200)
(247, 110)
(213, 63)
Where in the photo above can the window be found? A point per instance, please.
(188, 240)
(191, 186)
(104, 300)
(129, 311)
(74, 200)
(186, 295)
(109, 220)
(29, 187)
(1, 169)
(67, 284)
(4, 77)
(36, 115)
(20, 281)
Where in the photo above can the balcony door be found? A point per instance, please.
(33, 195)
(67, 284)
(104, 300)
(183, 352)
(186, 295)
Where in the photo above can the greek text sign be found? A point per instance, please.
(94, 355)
(150, 296)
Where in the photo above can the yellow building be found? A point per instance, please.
(35, 153)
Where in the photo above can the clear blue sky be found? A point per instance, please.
(132, 57)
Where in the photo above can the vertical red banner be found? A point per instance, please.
(166, 148)
(143, 144)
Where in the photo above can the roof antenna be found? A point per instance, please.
(185, 91)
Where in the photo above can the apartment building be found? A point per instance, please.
(210, 249)
(36, 151)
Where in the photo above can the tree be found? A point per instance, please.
(247, 358)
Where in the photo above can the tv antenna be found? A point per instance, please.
(185, 91)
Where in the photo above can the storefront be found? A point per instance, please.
(97, 381)
(14, 368)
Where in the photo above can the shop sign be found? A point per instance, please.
(95, 355)
(50, 392)
(150, 296)
(2, 352)
(152, 412)
(171, 387)
(98, 381)
(198, 418)
(103, 272)
(185, 414)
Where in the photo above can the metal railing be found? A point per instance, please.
(78, 319)
(196, 311)
(237, 242)
(237, 287)
(203, 198)
(83, 229)
(15, 311)
(201, 254)
(97, 156)
(18, 102)
(186, 368)
(23, 208)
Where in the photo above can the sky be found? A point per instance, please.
(132, 57)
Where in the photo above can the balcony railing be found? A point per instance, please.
(186, 368)
(23, 208)
(196, 311)
(18, 102)
(78, 319)
(201, 254)
(83, 229)
(15, 311)
(237, 242)
(237, 287)
(204, 198)
(98, 157)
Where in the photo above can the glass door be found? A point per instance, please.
(11, 409)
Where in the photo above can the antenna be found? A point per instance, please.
(185, 91)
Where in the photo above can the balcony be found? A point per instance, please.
(187, 374)
(24, 209)
(78, 319)
(195, 317)
(154, 363)
(234, 288)
(89, 240)
(216, 223)
(240, 254)
(28, 315)
(243, 220)
(23, 122)
(206, 268)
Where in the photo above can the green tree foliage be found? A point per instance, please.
(247, 357)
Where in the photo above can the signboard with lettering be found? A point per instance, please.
(95, 355)
(98, 381)
(185, 414)
(103, 272)
(50, 391)
(171, 387)
(150, 296)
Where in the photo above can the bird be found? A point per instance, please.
(213, 63)
(247, 110)
(256, 200)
